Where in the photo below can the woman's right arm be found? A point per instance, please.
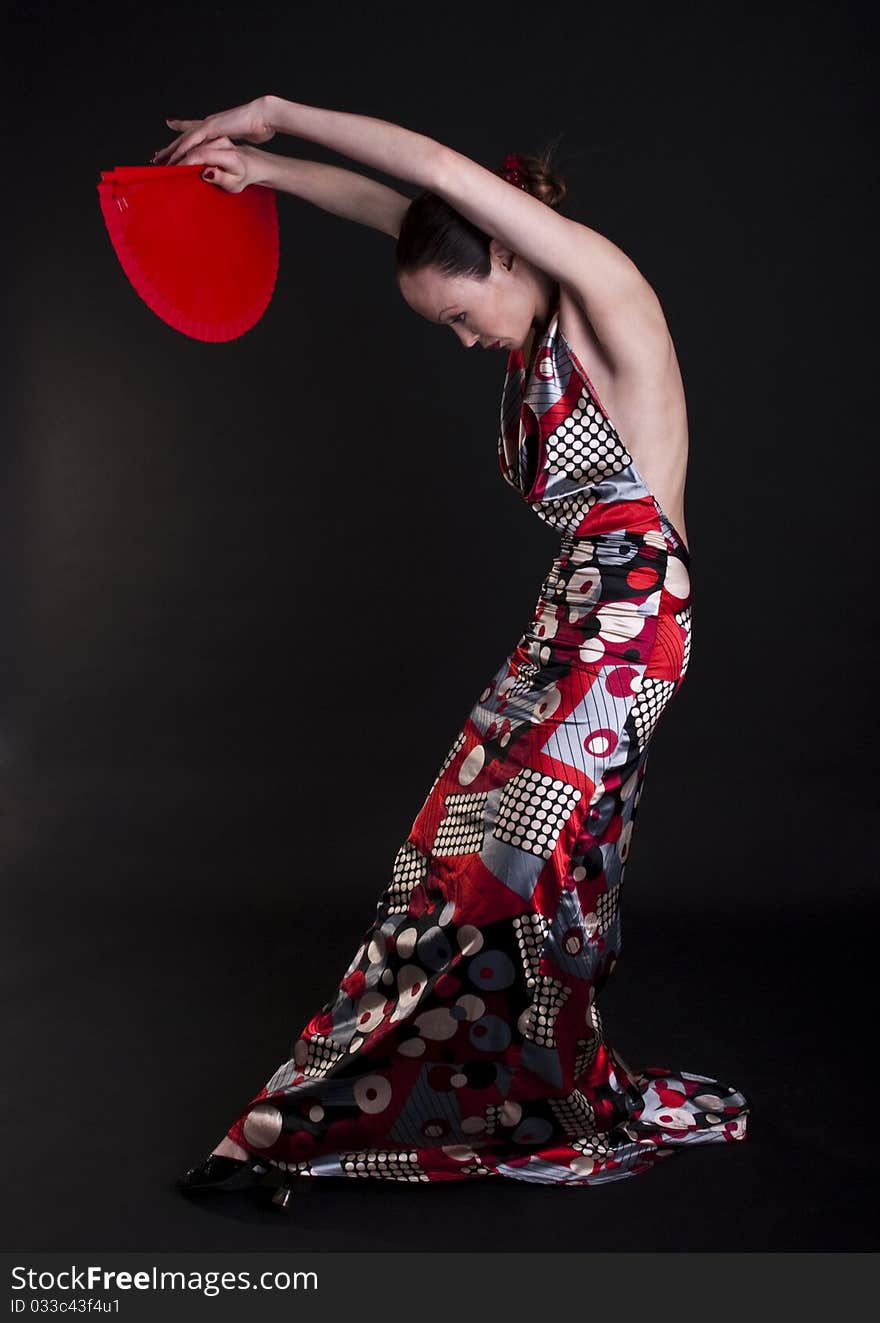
(331, 187)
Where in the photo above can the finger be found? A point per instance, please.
(220, 141)
(186, 144)
(225, 179)
(223, 166)
(224, 162)
(196, 131)
(164, 152)
(184, 125)
(210, 154)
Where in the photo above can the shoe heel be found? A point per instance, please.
(222, 1173)
(296, 1184)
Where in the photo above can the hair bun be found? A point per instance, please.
(536, 175)
(433, 233)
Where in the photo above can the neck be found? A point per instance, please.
(548, 298)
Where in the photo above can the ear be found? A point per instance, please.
(499, 252)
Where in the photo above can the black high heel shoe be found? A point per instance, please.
(219, 1172)
(292, 1182)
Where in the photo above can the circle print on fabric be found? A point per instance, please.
(620, 620)
(601, 743)
(262, 1125)
(470, 939)
(490, 1034)
(678, 580)
(434, 949)
(623, 682)
(533, 1130)
(372, 1093)
(472, 765)
(491, 970)
(411, 984)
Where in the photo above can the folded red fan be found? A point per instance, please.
(204, 260)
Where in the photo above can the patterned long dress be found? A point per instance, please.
(465, 1037)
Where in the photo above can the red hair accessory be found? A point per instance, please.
(202, 259)
(513, 170)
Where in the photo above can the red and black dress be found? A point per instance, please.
(465, 1038)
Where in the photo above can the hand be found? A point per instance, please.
(234, 168)
(248, 121)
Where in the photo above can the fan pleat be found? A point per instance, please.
(202, 259)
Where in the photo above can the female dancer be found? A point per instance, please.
(465, 1039)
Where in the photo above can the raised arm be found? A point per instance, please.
(620, 303)
(209, 141)
(332, 188)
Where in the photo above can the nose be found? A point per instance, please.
(466, 338)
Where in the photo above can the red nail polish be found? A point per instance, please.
(209, 174)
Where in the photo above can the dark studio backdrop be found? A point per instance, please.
(250, 591)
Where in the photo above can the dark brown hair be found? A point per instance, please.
(434, 233)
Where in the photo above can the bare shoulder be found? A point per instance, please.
(643, 396)
(648, 366)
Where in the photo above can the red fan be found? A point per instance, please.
(202, 259)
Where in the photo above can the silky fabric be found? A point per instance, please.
(465, 1038)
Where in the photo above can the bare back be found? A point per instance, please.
(651, 416)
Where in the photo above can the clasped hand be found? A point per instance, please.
(209, 142)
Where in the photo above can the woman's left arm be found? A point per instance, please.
(620, 303)
(377, 142)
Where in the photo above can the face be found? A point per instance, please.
(496, 313)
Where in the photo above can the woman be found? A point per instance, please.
(465, 1039)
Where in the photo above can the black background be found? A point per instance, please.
(250, 590)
